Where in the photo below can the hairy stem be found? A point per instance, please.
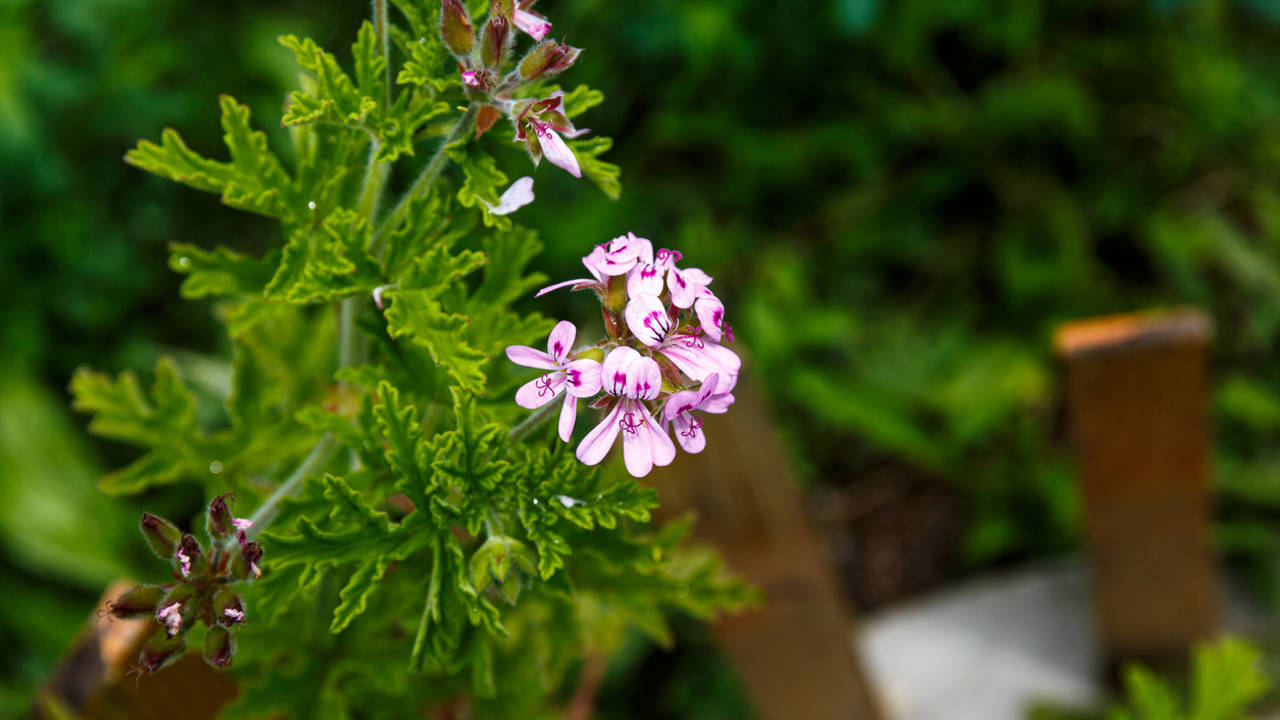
(266, 512)
(424, 180)
(380, 26)
(532, 422)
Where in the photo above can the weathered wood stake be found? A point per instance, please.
(1137, 390)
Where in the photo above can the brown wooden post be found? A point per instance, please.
(795, 655)
(1137, 391)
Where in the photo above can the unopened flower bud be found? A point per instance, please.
(219, 647)
(547, 59)
(137, 602)
(189, 559)
(455, 28)
(159, 651)
(160, 534)
(494, 39)
(228, 609)
(220, 522)
(177, 612)
(245, 564)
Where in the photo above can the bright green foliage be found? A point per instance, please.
(414, 555)
(1226, 679)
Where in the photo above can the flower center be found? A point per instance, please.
(695, 422)
(544, 385)
(629, 423)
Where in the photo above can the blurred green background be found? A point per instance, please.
(899, 200)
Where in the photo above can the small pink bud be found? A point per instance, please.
(220, 523)
(189, 558)
(159, 651)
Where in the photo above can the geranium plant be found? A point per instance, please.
(389, 527)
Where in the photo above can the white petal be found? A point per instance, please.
(647, 318)
(558, 153)
(540, 390)
(528, 357)
(568, 414)
(583, 377)
(596, 444)
(517, 196)
(613, 375)
(560, 341)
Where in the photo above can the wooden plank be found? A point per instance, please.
(795, 655)
(1137, 392)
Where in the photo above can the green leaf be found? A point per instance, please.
(254, 180)
(327, 262)
(220, 272)
(335, 99)
(1226, 678)
(580, 100)
(604, 174)
(163, 420)
(483, 182)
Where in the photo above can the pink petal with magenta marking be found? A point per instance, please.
(644, 379)
(540, 390)
(584, 377)
(537, 27)
(560, 341)
(710, 312)
(682, 289)
(528, 357)
(617, 364)
(647, 318)
(596, 444)
(644, 279)
(690, 437)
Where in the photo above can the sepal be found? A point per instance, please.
(455, 28)
(138, 602)
(159, 651)
(219, 647)
(161, 535)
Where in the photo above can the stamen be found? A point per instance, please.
(544, 385)
(629, 423)
(693, 339)
(695, 422)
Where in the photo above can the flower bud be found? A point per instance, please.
(228, 609)
(494, 39)
(219, 647)
(177, 612)
(189, 559)
(137, 602)
(547, 59)
(245, 564)
(485, 119)
(160, 534)
(159, 651)
(220, 522)
(455, 28)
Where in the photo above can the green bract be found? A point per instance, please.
(414, 554)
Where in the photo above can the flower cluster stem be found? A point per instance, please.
(531, 423)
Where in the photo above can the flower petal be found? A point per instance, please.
(596, 444)
(644, 279)
(540, 390)
(689, 433)
(560, 341)
(637, 450)
(647, 318)
(536, 26)
(710, 312)
(683, 289)
(617, 364)
(718, 403)
(583, 377)
(558, 152)
(700, 360)
(517, 196)
(644, 379)
(528, 357)
(566, 283)
(568, 415)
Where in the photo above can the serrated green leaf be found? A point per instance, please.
(355, 594)
(335, 98)
(604, 174)
(580, 100)
(254, 180)
(325, 262)
(419, 316)
(220, 272)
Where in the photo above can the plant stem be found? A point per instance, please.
(424, 180)
(266, 512)
(532, 422)
(380, 28)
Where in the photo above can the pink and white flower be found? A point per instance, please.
(631, 379)
(578, 378)
(519, 194)
(653, 324)
(688, 287)
(537, 26)
(171, 616)
(680, 407)
(610, 259)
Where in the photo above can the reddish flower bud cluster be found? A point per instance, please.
(201, 591)
(486, 81)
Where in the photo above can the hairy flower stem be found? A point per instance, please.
(424, 180)
(531, 423)
(266, 512)
(380, 28)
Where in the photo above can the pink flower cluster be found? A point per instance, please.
(662, 357)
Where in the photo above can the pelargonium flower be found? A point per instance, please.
(654, 325)
(540, 124)
(578, 378)
(609, 259)
(631, 379)
(680, 407)
(688, 287)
